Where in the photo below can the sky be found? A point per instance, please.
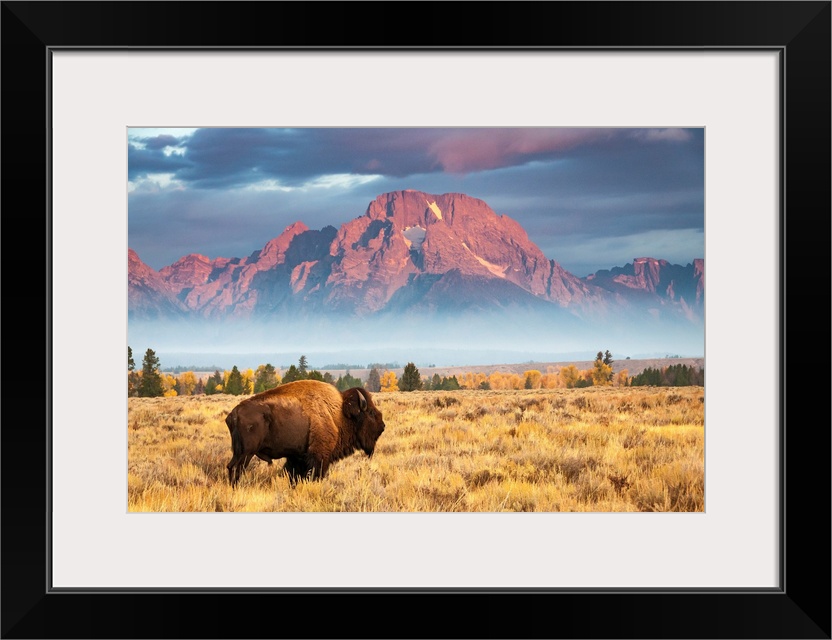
(591, 198)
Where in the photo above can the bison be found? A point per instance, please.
(308, 422)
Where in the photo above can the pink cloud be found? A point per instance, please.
(464, 150)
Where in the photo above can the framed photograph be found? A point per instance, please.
(443, 317)
(108, 108)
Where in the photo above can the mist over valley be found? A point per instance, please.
(428, 278)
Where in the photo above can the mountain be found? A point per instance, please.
(657, 283)
(148, 294)
(419, 256)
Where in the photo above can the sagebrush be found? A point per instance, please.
(598, 449)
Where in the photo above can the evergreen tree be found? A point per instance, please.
(411, 380)
(648, 377)
(436, 382)
(214, 384)
(601, 373)
(608, 361)
(265, 378)
(450, 384)
(302, 367)
(374, 381)
(151, 382)
(235, 382)
(328, 378)
(315, 375)
(677, 375)
(528, 383)
(347, 382)
(291, 375)
(132, 375)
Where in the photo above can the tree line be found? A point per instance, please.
(149, 381)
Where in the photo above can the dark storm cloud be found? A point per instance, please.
(614, 188)
(236, 157)
(161, 142)
(587, 197)
(142, 162)
(226, 157)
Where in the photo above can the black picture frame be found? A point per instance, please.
(799, 608)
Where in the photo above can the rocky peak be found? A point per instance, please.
(148, 295)
(135, 264)
(646, 274)
(404, 234)
(653, 276)
(189, 271)
(275, 250)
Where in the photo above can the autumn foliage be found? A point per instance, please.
(149, 382)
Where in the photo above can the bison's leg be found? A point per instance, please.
(317, 466)
(235, 468)
(240, 463)
(240, 459)
(244, 466)
(296, 469)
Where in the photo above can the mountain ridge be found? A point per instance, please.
(410, 252)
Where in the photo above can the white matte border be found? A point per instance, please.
(97, 95)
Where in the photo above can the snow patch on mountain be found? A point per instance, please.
(432, 206)
(414, 237)
(497, 270)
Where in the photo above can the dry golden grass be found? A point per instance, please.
(599, 449)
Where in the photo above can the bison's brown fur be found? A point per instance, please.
(310, 423)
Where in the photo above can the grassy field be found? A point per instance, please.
(598, 449)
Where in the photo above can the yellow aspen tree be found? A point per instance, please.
(550, 381)
(514, 381)
(248, 381)
(601, 374)
(389, 381)
(570, 375)
(168, 382)
(531, 379)
(497, 380)
(622, 379)
(187, 383)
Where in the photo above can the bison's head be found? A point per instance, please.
(369, 425)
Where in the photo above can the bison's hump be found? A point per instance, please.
(302, 388)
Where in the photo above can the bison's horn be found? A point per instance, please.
(362, 401)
